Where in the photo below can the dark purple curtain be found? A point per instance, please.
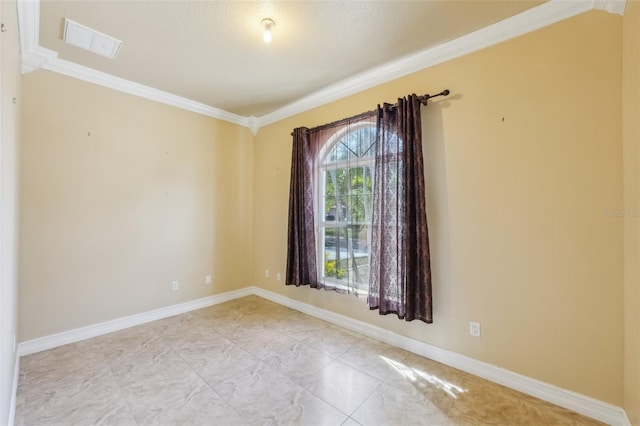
(400, 276)
(301, 247)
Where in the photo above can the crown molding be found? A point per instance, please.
(91, 75)
(615, 7)
(35, 57)
(254, 124)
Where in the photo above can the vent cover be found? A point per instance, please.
(87, 38)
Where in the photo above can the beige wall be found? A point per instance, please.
(631, 150)
(120, 196)
(9, 143)
(522, 161)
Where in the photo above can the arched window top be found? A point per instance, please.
(357, 143)
(353, 143)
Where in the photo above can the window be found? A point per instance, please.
(345, 198)
(357, 217)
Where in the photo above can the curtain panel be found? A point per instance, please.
(311, 147)
(301, 244)
(344, 164)
(400, 278)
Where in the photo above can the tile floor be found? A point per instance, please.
(250, 361)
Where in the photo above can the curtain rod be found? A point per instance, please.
(422, 99)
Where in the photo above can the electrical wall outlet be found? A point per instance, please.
(266, 273)
(175, 285)
(279, 276)
(474, 329)
(207, 279)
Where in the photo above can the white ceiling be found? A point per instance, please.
(209, 57)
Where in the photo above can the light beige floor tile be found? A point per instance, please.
(391, 406)
(136, 360)
(332, 340)
(130, 345)
(203, 368)
(305, 409)
(435, 382)
(75, 399)
(264, 396)
(375, 358)
(222, 363)
(81, 358)
(197, 341)
(435, 368)
(265, 345)
(165, 389)
(244, 333)
(297, 359)
(490, 403)
(196, 405)
(300, 326)
(258, 390)
(341, 385)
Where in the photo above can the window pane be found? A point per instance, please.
(335, 252)
(360, 185)
(330, 212)
(359, 253)
(346, 253)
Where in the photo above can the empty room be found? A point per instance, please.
(320, 212)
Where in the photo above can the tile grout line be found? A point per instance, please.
(122, 392)
(329, 403)
(210, 386)
(365, 400)
(334, 358)
(318, 396)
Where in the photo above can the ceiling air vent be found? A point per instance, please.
(87, 38)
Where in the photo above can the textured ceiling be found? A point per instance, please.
(212, 51)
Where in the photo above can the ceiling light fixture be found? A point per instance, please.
(268, 24)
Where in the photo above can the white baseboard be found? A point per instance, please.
(574, 401)
(14, 391)
(579, 403)
(78, 334)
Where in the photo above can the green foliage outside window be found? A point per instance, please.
(353, 193)
(331, 268)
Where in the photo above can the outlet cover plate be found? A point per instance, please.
(474, 329)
